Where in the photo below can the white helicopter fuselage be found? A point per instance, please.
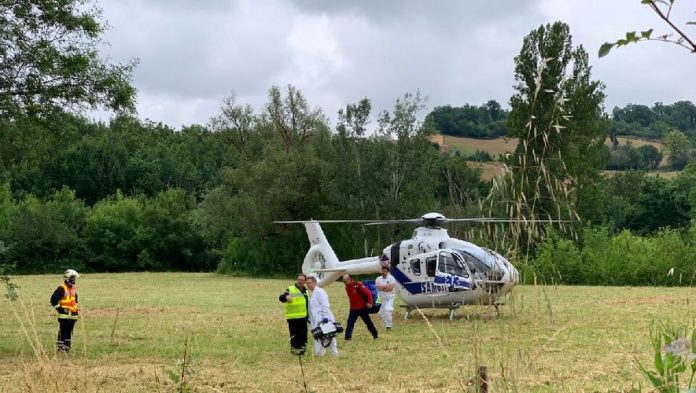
(431, 269)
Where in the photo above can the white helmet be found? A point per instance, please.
(70, 274)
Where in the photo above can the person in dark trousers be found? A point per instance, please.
(360, 302)
(295, 299)
(64, 300)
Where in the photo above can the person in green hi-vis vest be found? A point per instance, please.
(295, 299)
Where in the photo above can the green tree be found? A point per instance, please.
(352, 122)
(558, 119)
(278, 178)
(678, 146)
(46, 235)
(651, 156)
(292, 118)
(633, 113)
(486, 121)
(625, 157)
(49, 59)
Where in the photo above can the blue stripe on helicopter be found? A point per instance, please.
(452, 281)
(420, 287)
(411, 287)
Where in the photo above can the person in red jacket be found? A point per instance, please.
(360, 302)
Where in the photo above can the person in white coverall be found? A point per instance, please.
(320, 312)
(385, 286)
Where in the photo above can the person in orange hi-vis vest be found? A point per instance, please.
(64, 300)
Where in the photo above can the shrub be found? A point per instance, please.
(46, 236)
(139, 233)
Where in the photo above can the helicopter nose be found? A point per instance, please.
(514, 274)
(510, 279)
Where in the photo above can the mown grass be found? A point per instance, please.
(135, 326)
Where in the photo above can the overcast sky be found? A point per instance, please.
(193, 53)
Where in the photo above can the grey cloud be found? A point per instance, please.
(439, 12)
(193, 53)
(210, 51)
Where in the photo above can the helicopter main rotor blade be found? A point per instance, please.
(502, 220)
(472, 220)
(402, 221)
(327, 221)
(436, 221)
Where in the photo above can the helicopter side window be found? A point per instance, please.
(430, 266)
(416, 267)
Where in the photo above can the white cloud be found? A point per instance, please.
(192, 54)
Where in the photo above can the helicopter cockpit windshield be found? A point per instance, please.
(452, 272)
(452, 263)
(479, 268)
(487, 268)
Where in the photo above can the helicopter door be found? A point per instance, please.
(431, 266)
(452, 272)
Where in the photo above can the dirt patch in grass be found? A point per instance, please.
(109, 312)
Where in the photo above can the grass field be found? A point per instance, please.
(135, 328)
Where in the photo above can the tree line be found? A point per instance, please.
(674, 125)
(490, 120)
(132, 195)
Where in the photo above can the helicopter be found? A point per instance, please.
(432, 269)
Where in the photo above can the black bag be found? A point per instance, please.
(375, 308)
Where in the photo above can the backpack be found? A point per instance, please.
(376, 302)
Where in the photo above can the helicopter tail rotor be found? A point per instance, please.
(321, 260)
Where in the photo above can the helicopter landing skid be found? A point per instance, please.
(497, 308)
(452, 309)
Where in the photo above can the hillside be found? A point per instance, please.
(496, 147)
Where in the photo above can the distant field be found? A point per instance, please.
(506, 145)
(496, 147)
(134, 329)
(665, 174)
(637, 142)
(489, 170)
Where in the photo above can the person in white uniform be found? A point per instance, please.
(320, 312)
(385, 286)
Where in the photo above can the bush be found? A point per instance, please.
(481, 156)
(664, 259)
(559, 260)
(46, 236)
(139, 233)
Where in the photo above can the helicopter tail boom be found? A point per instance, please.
(321, 260)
